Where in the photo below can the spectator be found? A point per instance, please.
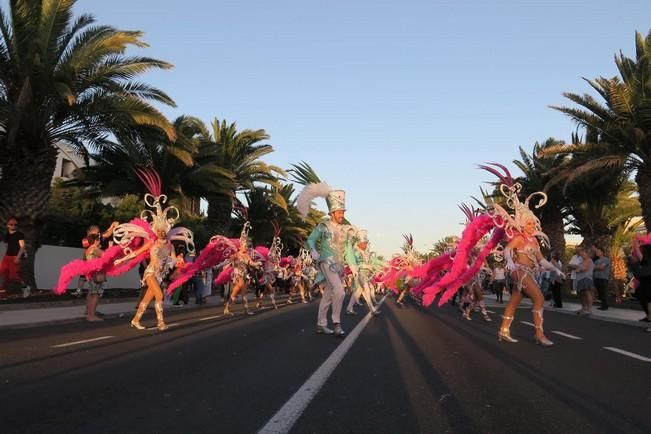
(498, 279)
(96, 280)
(10, 265)
(545, 283)
(575, 262)
(601, 276)
(556, 282)
(640, 265)
(584, 282)
(105, 242)
(180, 293)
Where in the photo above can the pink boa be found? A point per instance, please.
(104, 264)
(218, 250)
(465, 277)
(433, 284)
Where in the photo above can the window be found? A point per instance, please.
(67, 167)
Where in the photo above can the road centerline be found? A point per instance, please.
(567, 335)
(85, 341)
(286, 417)
(628, 353)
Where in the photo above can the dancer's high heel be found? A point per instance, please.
(505, 335)
(505, 331)
(136, 324)
(541, 339)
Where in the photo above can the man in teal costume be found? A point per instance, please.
(327, 244)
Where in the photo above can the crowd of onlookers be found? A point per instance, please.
(589, 272)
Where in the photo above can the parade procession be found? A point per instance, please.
(429, 235)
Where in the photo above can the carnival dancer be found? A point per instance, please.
(523, 255)
(296, 278)
(239, 262)
(158, 248)
(327, 244)
(399, 274)
(308, 273)
(270, 269)
(477, 295)
(362, 267)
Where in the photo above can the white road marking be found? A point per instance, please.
(528, 323)
(490, 311)
(627, 353)
(174, 324)
(289, 413)
(69, 344)
(209, 317)
(566, 335)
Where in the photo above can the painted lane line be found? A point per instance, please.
(286, 417)
(528, 323)
(209, 317)
(627, 353)
(490, 311)
(174, 324)
(566, 335)
(69, 344)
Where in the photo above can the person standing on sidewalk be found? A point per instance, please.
(10, 265)
(498, 280)
(601, 276)
(584, 282)
(327, 244)
(575, 262)
(639, 262)
(97, 280)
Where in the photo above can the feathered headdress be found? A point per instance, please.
(516, 222)
(276, 249)
(158, 217)
(308, 194)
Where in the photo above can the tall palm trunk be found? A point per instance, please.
(25, 185)
(552, 224)
(220, 208)
(643, 180)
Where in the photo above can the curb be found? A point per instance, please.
(82, 319)
(563, 311)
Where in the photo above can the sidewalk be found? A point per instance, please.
(622, 315)
(29, 315)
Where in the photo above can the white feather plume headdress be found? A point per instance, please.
(308, 194)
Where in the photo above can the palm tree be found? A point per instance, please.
(183, 179)
(235, 157)
(537, 168)
(266, 206)
(589, 195)
(62, 79)
(624, 222)
(623, 122)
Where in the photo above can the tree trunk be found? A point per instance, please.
(220, 209)
(25, 184)
(643, 180)
(551, 220)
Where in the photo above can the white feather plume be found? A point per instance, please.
(311, 191)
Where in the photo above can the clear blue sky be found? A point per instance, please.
(394, 101)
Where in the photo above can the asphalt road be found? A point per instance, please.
(411, 370)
